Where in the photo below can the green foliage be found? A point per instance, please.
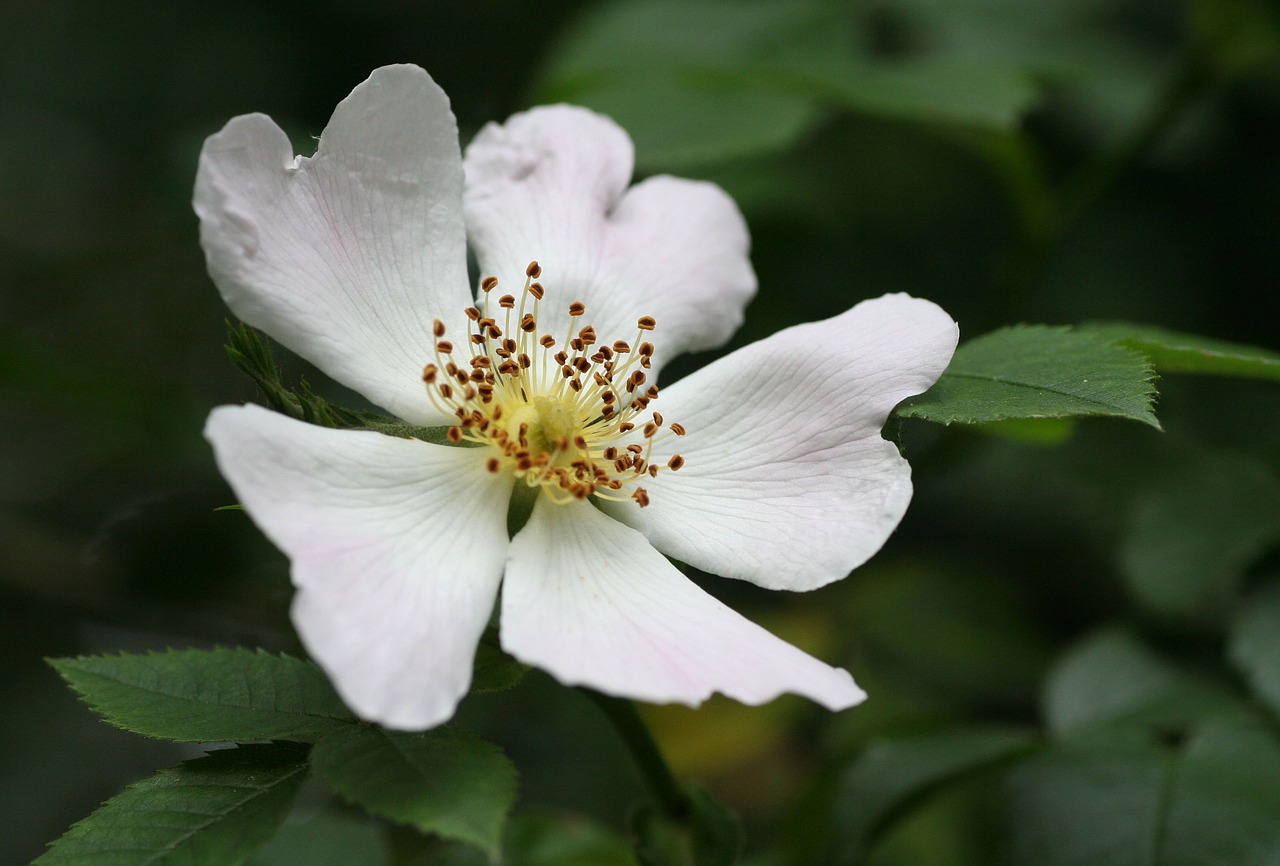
(213, 811)
(494, 670)
(204, 696)
(1037, 372)
(250, 351)
(1192, 535)
(1119, 797)
(1176, 352)
(892, 775)
(444, 781)
(707, 834)
(325, 837)
(714, 80)
(1111, 678)
(1254, 645)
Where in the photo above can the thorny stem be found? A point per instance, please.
(653, 767)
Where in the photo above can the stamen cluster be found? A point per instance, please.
(555, 412)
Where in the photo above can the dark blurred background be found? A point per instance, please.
(1057, 161)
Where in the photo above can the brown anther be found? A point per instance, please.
(560, 357)
(469, 392)
(677, 429)
(621, 347)
(577, 345)
(622, 464)
(587, 335)
(536, 290)
(478, 339)
(488, 284)
(444, 347)
(525, 361)
(523, 463)
(605, 353)
(473, 313)
(477, 375)
(429, 373)
(575, 384)
(626, 428)
(566, 371)
(637, 379)
(533, 271)
(481, 361)
(547, 341)
(653, 470)
(657, 418)
(454, 434)
(611, 453)
(646, 349)
(509, 368)
(446, 391)
(493, 464)
(438, 328)
(577, 308)
(451, 368)
(607, 397)
(509, 344)
(580, 441)
(528, 324)
(607, 412)
(646, 323)
(648, 430)
(652, 393)
(600, 380)
(582, 364)
(507, 302)
(495, 333)
(675, 462)
(641, 496)
(635, 448)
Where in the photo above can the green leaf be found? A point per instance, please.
(1191, 537)
(1176, 352)
(1111, 678)
(208, 695)
(1118, 798)
(562, 840)
(708, 835)
(494, 670)
(892, 774)
(444, 781)
(1254, 645)
(251, 352)
(1035, 371)
(213, 811)
(325, 837)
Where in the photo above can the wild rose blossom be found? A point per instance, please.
(766, 465)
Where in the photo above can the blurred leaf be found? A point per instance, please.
(1176, 352)
(208, 696)
(713, 80)
(1236, 36)
(1031, 431)
(1116, 798)
(562, 840)
(1112, 678)
(494, 670)
(324, 838)
(213, 811)
(893, 774)
(445, 781)
(1254, 645)
(1034, 371)
(1190, 538)
(709, 835)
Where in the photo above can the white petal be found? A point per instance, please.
(397, 548)
(551, 184)
(590, 601)
(787, 482)
(348, 256)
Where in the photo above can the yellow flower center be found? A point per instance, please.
(561, 415)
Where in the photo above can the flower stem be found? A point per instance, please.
(653, 767)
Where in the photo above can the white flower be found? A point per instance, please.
(767, 465)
